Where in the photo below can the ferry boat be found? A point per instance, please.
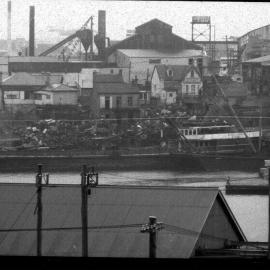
(219, 138)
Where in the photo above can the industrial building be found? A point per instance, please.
(256, 74)
(193, 219)
(255, 43)
(141, 62)
(153, 43)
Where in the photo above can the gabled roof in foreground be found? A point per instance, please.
(108, 207)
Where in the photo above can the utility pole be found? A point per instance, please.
(267, 164)
(39, 210)
(84, 215)
(87, 181)
(152, 227)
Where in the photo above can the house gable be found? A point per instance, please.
(219, 227)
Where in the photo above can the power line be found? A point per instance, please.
(185, 231)
(74, 228)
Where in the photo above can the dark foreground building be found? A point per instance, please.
(193, 218)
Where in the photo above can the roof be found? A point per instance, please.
(116, 88)
(261, 59)
(150, 53)
(108, 207)
(153, 22)
(59, 88)
(33, 59)
(27, 79)
(179, 71)
(107, 78)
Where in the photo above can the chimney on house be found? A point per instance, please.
(9, 29)
(32, 31)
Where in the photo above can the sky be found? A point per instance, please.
(229, 18)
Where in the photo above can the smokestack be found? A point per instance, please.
(102, 31)
(9, 29)
(32, 31)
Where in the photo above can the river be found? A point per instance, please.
(251, 211)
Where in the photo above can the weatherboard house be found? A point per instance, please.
(193, 219)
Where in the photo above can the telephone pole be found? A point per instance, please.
(39, 210)
(84, 209)
(87, 182)
(152, 227)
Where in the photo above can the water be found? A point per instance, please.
(251, 211)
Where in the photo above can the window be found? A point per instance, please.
(192, 74)
(154, 61)
(111, 71)
(143, 95)
(47, 96)
(38, 96)
(118, 101)
(107, 102)
(130, 101)
(190, 61)
(11, 96)
(170, 73)
(171, 95)
(26, 95)
(120, 71)
(187, 88)
(193, 89)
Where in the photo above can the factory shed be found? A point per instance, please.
(192, 218)
(34, 64)
(154, 34)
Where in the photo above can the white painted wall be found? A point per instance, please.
(18, 98)
(157, 85)
(190, 83)
(171, 97)
(85, 77)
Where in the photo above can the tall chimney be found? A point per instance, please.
(9, 29)
(32, 31)
(102, 31)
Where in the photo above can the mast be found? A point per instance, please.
(235, 116)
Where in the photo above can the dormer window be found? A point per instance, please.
(192, 74)
(170, 73)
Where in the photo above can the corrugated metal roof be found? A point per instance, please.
(107, 205)
(149, 53)
(28, 79)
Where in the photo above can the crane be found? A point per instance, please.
(85, 35)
